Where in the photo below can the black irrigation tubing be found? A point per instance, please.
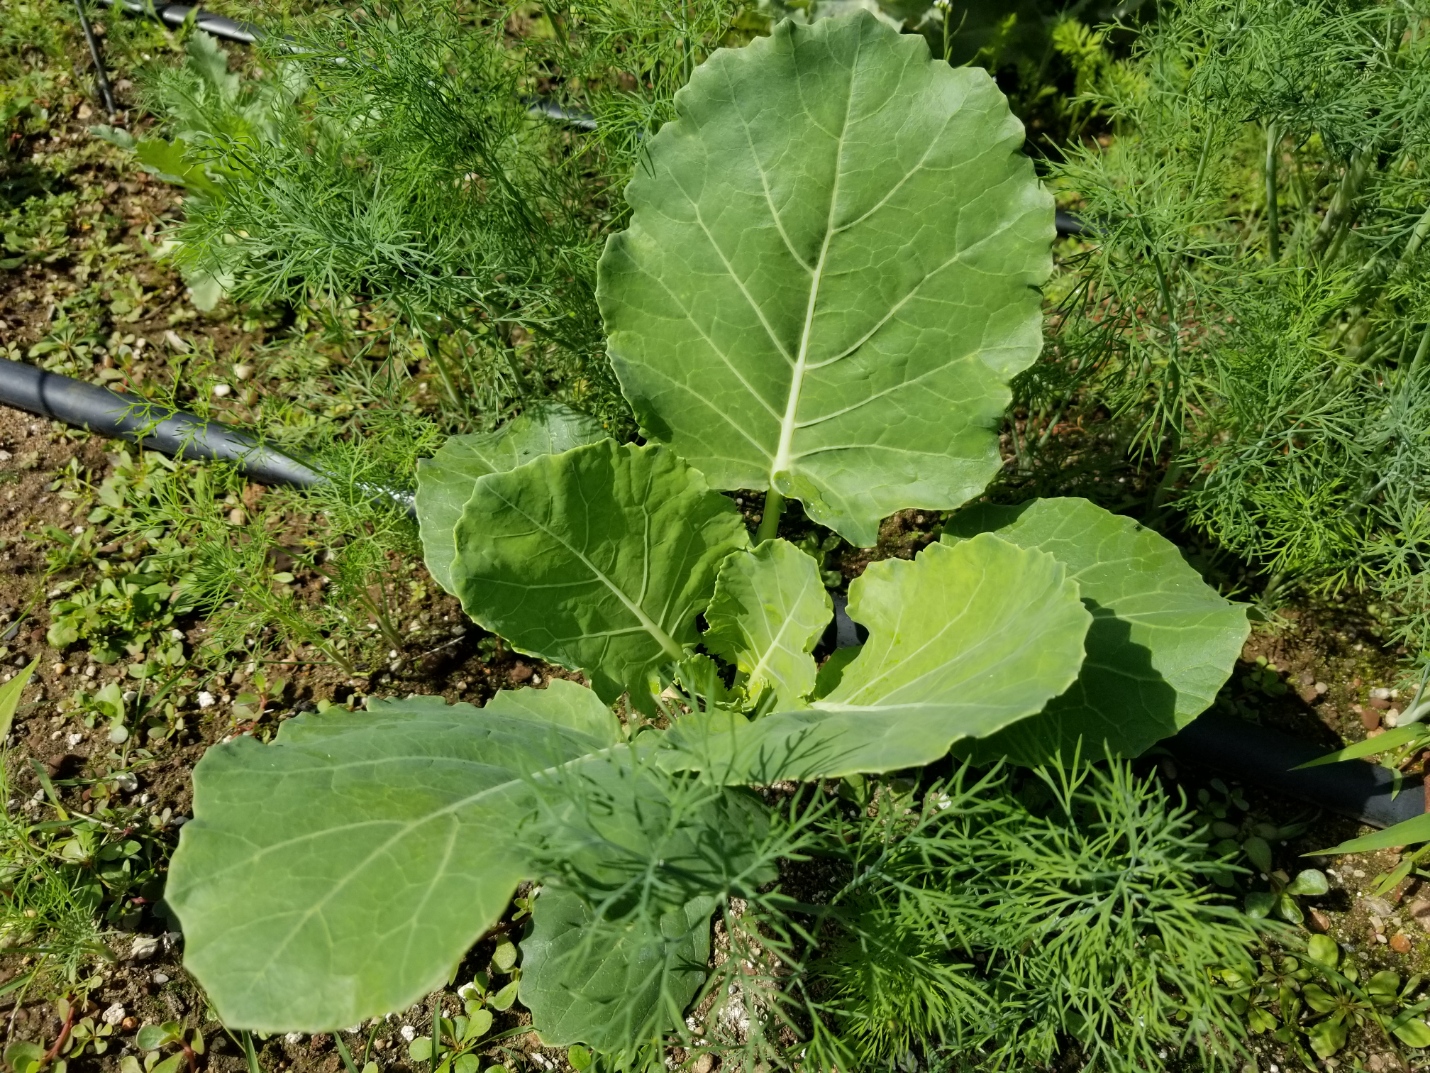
(1260, 756)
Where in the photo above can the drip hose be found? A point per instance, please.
(157, 427)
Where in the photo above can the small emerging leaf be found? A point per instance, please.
(1258, 853)
(1322, 949)
(768, 612)
(1309, 882)
(1413, 1033)
(504, 956)
(963, 641)
(1327, 1037)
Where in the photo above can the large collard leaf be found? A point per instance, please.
(342, 871)
(831, 273)
(599, 559)
(619, 947)
(445, 481)
(1162, 641)
(769, 610)
(963, 641)
(611, 984)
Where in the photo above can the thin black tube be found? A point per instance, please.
(244, 33)
(101, 76)
(1265, 758)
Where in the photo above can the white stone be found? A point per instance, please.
(144, 947)
(113, 1014)
(206, 699)
(408, 1033)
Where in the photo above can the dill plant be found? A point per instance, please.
(391, 160)
(997, 916)
(1252, 307)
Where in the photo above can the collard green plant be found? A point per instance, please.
(413, 823)
(831, 273)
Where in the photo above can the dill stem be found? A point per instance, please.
(1337, 215)
(1273, 216)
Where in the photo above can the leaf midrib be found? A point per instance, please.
(780, 464)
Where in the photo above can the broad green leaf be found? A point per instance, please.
(1327, 1037)
(564, 703)
(1381, 743)
(341, 872)
(10, 695)
(831, 273)
(1309, 883)
(1413, 1032)
(1258, 852)
(599, 559)
(1162, 642)
(445, 481)
(963, 641)
(1322, 949)
(619, 947)
(1405, 833)
(609, 984)
(769, 610)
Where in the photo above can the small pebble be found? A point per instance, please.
(145, 947)
(221, 390)
(160, 978)
(243, 372)
(1380, 693)
(206, 699)
(1400, 943)
(1370, 718)
(293, 1037)
(75, 739)
(408, 1033)
(113, 1015)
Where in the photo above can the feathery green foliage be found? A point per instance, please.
(391, 159)
(1002, 915)
(1254, 300)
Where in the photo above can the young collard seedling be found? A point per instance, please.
(829, 277)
